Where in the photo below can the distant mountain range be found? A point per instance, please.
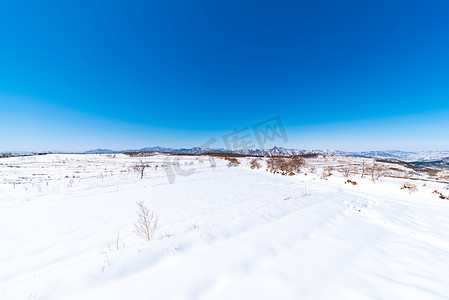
(198, 150)
(431, 159)
(423, 157)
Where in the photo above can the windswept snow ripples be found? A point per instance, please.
(224, 233)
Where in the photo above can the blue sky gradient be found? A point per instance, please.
(349, 75)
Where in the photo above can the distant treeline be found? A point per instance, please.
(216, 154)
(4, 155)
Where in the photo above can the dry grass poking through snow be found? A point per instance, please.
(146, 223)
(409, 186)
(351, 182)
(441, 195)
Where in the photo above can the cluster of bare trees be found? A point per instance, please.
(232, 162)
(285, 166)
(375, 170)
(346, 170)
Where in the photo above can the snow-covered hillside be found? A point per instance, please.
(67, 230)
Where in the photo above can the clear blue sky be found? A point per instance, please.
(351, 75)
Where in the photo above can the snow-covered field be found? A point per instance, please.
(67, 232)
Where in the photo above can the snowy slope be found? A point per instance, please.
(66, 227)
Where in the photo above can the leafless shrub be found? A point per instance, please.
(70, 183)
(273, 165)
(312, 169)
(297, 163)
(276, 165)
(194, 226)
(254, 164)
(409, 186)
(351, 182)
(376, 172)
(233, 162)
(441, 195)
(327, 171)
(146, 222)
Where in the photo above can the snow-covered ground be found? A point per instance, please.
(67, 232)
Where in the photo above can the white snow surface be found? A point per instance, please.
(67, 232)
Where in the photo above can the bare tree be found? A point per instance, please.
(364, 169)
(376, 171)
(146, 223)
(140, 168)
